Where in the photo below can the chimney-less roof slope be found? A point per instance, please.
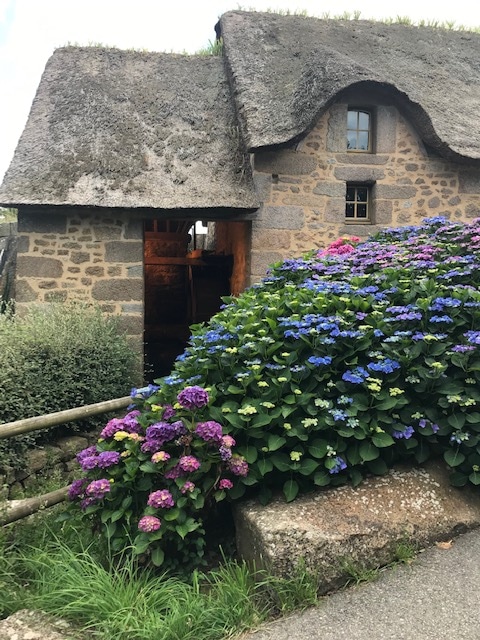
(286, 70)
(113, 128)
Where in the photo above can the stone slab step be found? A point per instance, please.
(335, 529)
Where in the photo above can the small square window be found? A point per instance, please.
(357, 203)
(359, 130)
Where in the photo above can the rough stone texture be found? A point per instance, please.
(37, 267)
(77, 268)
(285, 217)
(33, 625)
(386, 129)
(285, 161)
(406, 182)
(118, 290)
(124, 251)
(358, 526)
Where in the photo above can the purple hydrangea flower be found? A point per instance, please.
(168, 412)
(173, 473)
(405, 434)
(210, 431)
(86, 453)
(89, 462)
(147, 524)
(77, 488)
(111, 428)
(238, 466)
(189, 463)
(161, 499)
(193, 398)
(107, 459)
(228, 441)
(98, 489)
(225, 452)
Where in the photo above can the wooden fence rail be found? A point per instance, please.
(26, 425)
(18, 509)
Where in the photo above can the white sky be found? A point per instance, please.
(31, 29)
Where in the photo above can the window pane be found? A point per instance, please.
(362, 194)
(350, 194)
(361, 210)
(352, 140)
(352, 120)
(363, 140)
(363, 120)
(350, 210)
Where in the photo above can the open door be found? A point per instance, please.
(189, 267)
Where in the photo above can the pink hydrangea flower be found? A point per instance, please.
(147, 524)
(161, 499)
(228, 441)
(189, 463)
(225, 483)
(188, 487)
(210, 431)
(98, 488)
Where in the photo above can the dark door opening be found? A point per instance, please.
(189, 267)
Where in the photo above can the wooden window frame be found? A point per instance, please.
(358, 129)
(355, 202)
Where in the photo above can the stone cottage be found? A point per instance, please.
(302, 131)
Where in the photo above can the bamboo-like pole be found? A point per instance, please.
(31, 505)
(26, 425)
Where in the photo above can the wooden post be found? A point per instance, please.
(28, 506)
(26, 425)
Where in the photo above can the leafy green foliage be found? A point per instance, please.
(336, 366)
(60, 357)
(154, 475)
(343, 363)
(67, 574)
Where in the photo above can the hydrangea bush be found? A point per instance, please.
(154, 473)
(344, 362)
(337, 365)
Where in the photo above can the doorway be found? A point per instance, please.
(189, 266)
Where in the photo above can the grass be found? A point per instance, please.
(63, 572)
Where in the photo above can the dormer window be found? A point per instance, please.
(359, 130)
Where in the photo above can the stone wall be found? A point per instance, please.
(82, 255)
(8, 254)
(303, 188)
(54, 462)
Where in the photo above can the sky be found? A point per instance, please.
(30, 30)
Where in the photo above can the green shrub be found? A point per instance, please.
(59, 357)
(168, 460)
(339, 365)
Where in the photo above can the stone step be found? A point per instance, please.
(333, 530)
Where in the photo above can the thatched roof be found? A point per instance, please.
(286, 70)
(112, 128)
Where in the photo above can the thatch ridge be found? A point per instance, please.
(286, 70)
